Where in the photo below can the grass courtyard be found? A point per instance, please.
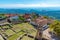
(18, 30)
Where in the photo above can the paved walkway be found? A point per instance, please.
(46, 34)
(49, 36)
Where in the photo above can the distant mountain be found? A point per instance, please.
(54, 12)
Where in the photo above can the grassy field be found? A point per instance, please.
(5, 27)
(18, 30)
(9, 32)
(15, 36)
(25, 27)
(27, 38)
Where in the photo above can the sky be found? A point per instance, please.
(29, 3)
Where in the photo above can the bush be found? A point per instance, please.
(56, 27)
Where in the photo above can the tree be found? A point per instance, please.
(2, 16)
(34, 16)
(46, 17)
(21, 18)
(55, 27)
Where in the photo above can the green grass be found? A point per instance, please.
(18, 27)
(27, 38)
(0, 27)
(22, 26)
(9, 32)
(15, 36)
(5, 27)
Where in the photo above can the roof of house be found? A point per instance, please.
(41, 20)
(27, 16)
(10, 15)
(50, 20)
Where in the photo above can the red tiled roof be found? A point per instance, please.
(41, 21)
(10, 15)
(26, 16)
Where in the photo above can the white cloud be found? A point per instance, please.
(28, 5)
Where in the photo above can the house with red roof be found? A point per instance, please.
(27, 17)
(10, 15)
(13, 18)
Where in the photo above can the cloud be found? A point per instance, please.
(49, 5)
(28, 5)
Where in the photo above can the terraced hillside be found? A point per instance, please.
(16, 31)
